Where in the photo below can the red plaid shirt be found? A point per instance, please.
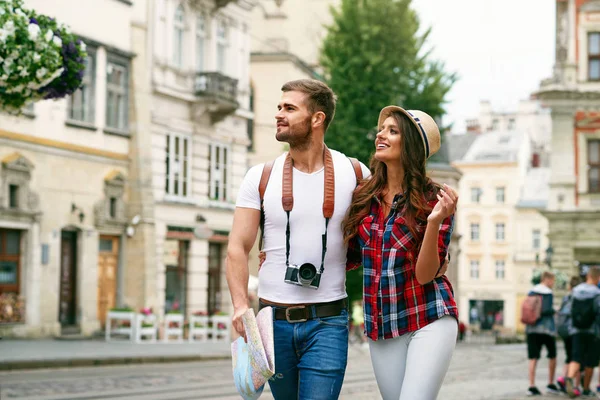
(394, 302)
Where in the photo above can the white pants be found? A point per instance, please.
(413, 366)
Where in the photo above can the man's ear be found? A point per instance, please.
(318, 118)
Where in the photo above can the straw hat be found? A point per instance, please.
(430, 133)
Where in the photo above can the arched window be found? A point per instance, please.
(178, 34)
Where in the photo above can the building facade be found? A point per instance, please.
(198, 135)
(64, 201)
(573, 95)
(494, 170)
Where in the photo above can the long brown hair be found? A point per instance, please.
(419, 189)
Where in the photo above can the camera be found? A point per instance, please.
(303, 275)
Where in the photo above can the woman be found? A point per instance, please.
(398, 227)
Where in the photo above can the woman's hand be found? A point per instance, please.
(446, 205)
(262, 256)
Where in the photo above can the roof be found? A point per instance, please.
(494, 147)
(458, 145)
(536, 189)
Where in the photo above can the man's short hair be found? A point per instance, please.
(547, 275)
(594, 272)
(320, 96)
(575, 280)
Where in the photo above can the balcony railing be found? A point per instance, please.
(219, 92)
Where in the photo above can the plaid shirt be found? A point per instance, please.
(395, 303)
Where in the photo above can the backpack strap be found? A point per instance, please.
(357, 169)
(262, 187)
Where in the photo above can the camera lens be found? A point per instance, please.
(306, 273)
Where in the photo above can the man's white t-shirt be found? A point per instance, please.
(307, 225)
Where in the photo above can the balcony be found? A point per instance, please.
(217, 94)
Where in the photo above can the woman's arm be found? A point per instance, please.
(437, 236)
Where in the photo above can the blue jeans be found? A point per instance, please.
(310, 358)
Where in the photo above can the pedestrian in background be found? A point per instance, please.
(563, 321)
(542, 333)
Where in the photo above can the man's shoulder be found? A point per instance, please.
(339, 157)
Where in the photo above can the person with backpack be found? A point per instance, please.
(562, 323)
(585, 329)
(538, 315)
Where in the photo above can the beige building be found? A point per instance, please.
(573, 94)
(64, 201)
(197, 140)
(494, 170)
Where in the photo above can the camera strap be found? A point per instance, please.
(287, 200)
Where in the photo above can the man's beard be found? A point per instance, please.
(298, 137)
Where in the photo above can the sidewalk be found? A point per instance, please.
(48, 353)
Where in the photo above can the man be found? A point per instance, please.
(311, 319)
(542, 334)
(585, 329)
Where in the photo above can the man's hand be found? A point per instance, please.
(444, 267)
(237, 322)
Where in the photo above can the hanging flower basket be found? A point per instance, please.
(39, 58)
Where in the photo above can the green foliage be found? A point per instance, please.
(374, 56)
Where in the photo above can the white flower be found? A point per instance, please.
(3, 35)
(24, 72)
(82, 45)
(34, 31)
(36, 57)
(57, 41)
(20, 13)
(9, 26)
(65, 28)
(18, 88)
(40, 73)
(49, 35)
(2, 11)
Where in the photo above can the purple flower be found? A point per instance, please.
(32, 20)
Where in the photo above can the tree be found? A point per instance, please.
(374, 56)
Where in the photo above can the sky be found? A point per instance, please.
(501, 50)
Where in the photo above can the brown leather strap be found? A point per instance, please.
(357, 169)
(302, 312)
(287, 186)
(262, 187)
(287, 195)
(264, 179)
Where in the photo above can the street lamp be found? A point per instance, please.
(549, 253)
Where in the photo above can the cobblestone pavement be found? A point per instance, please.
(477, 372)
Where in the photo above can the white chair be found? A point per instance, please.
(122, 328)
(146, 326)
(221, 328)
(173, 327)
(198, 328)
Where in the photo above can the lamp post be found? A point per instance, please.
(549, 253)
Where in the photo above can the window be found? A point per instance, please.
(215, 261)
(500, 269)
(13, 196)
(500, 195)
(218, 173)
(476, 194)
(251, 121)
(594, 166)
(475, 232)
(112, 212)
(176, 282)
(178, 33)
(10, 256)
(495, 124)
(116, 96)
(81, 103)
(511, 124)
(536, 237)
(500, 232)
(177, 164)
(222, 44)
(474, 269)
(594, 56)
(200, 42)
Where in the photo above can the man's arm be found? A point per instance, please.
(241, 240)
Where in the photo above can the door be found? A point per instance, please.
(176, 275)
(68, 278)
(108, 261)
(215, 260)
